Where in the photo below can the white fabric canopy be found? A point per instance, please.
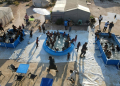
(6, 15)
(41, 11)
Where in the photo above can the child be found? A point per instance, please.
(39, 28)
(113, 47)
(78, 45)
(63, 34)
(75, 38)
(68, 56)
(31, 33)
(23, 26)
(37, 42)
(117, 47)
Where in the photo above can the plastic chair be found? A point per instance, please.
(18, 78)
(32, 76)
(12, 68)
(1, 74)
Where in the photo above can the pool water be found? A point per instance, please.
(59, 43)
(105, 39)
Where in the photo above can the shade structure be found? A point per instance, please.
(41, 11)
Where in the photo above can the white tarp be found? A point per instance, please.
(6, 15)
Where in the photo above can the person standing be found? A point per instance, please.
(43, 27)
(75, 38)
(68, 56)
(100, 19)
(52, 64)
(37, 42)
(31, 33)
(39, 28)
(26, 18)
(78, 45)
(106, 25)
(110, 27)
(66, 24)
(84, 48)
(70, 25)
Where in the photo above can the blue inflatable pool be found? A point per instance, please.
(57, 53)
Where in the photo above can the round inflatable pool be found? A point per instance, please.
(59, 44)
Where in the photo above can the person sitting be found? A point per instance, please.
(117, 48)
(11, 40)
(4, 37)
(113, 47)
(1, 28)
(72, 76)
(63, 34)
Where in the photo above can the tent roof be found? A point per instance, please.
(76, 4)
(4, 11)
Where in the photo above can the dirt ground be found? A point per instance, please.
(39, 69)
(98, 8)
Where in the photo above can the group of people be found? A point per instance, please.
(108, 51)
(15, 31)
(106, 24)
(69, 24)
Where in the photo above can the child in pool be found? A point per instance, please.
(113, 47)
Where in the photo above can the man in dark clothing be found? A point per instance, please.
(84, 48)
(110, 27)
(52, 64)
(43, 27)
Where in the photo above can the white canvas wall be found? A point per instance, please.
(6, 15)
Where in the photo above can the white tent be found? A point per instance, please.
(41, 3)
(6, 15)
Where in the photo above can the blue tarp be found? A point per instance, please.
(23, 68)
(46, 82)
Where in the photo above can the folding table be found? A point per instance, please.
(23, 68)
(46, 82)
